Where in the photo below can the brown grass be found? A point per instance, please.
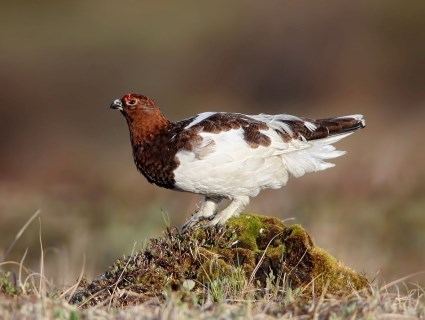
(395, 302)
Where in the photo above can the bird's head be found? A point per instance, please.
(134, 103)
(142, 114)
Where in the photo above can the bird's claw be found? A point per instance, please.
(188, 225)
(220, 219)
(191, 222)
(213, 221)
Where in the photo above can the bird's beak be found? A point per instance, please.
(117, 104)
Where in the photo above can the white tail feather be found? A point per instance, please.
(314, 157)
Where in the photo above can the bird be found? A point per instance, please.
(228, 156)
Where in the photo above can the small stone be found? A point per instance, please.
(188, 284)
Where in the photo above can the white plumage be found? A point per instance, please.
(232, 169)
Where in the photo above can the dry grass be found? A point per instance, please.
(395, 302)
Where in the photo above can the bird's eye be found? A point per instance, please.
(132, 102)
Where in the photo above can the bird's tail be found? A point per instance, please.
(335, 126)
(320, 138)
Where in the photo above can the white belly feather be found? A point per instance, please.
(233, 168)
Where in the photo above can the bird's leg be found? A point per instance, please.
(233, 209)
(207, 209)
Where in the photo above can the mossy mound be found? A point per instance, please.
(257, 247)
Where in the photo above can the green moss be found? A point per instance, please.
(214, 269)
(73, 315)
(331, 274)
(290, 250)
(275, 253)
(247, 228)
(240, 257)
(249, 245)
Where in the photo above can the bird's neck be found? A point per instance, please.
(153, 152)
(144, 127)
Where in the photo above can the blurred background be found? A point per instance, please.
(64, 152)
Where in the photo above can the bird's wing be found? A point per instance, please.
(279, 134)
(223, 134)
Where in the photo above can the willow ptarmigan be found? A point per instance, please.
(223, 155)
